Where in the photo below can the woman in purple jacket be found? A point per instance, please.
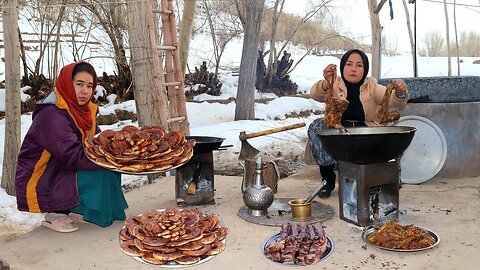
(53, 174)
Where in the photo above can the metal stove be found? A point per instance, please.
(368, 193)
(194, 181)
(369, 180)
(196, 173)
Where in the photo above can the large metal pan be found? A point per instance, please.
(366, 145)
(206, 143)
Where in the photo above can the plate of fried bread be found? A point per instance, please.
(172, 237)
(144, 150)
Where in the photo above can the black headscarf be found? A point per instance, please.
(355, 108)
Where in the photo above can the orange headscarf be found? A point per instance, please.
(82, 114)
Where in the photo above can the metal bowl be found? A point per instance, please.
(366, 145)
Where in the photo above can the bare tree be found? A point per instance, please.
(46, 13)
(376, 37)
(434, 43)
(223, 26)
(245, 107)
(410, 34)
(111, 16)
(470, 44)
(291, 33)
(186, 32)
(389, 47)
(456, 35)
(12, 95)
(272, 57)
(447, 32)
(57, 40)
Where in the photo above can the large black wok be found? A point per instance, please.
(366, 145)
(206, 143)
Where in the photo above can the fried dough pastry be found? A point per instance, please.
(145, 149)
(181, 236)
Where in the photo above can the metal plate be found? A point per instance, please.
(274, 237)
(427, 152)
(137, 173)
(280, 212)
(133, 173)
(369, 230)
(174, 264)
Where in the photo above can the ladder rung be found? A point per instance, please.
(176, 119)
(162, 11)
(171, 48)
(172, 83)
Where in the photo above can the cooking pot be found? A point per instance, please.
(366, 145)
(207, 144)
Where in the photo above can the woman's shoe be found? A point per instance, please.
(59, 223)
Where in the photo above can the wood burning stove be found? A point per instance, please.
(194, 181)
(369, 172)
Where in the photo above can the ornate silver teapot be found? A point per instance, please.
(258, 197)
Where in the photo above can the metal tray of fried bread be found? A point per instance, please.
(178, 156)
(173, 264)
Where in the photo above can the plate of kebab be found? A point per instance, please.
(172, 237)
(395, 237)
(144, 150)
(298, 244)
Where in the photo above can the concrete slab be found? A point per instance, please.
(451, 208)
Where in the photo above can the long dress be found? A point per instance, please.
(101, 200)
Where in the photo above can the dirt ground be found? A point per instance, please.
(449, 207)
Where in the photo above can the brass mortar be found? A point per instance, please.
(301, 211)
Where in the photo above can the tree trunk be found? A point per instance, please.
(410, 34)
(150, 97)
(12, 95)
(376, 39)
(447, 29)
(245, 107)
(186, 32)
(273, 56)
(23, 56)
(57, 40)
(456, 35)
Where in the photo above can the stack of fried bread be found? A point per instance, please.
(173, 236)
(136, 150)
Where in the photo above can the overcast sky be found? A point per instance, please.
(353, 17)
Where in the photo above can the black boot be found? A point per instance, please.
(328, 174)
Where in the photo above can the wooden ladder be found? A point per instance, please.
(171, 79)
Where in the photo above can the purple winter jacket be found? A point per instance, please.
(50, 156)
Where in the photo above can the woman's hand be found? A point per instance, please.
(327, 74)
(400, 87)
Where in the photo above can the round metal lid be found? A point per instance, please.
(427, 152)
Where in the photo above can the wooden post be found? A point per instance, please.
(12, 95)
(150, 97)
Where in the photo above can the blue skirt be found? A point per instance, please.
(319, 153)
(100, 196)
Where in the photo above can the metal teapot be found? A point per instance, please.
(258, 197)
(270, 173)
